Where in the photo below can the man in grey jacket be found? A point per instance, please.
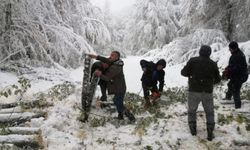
(202, 74)
(116, 84)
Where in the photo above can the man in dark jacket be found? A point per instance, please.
(152, 74)
(116, 85)
(98, 65)
(237, 72)
(202, 74)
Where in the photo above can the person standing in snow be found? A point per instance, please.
(115, 80)
(237, 72)
(152, 74)
(202, 74)
(98, 65)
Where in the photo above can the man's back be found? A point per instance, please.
(202, 73)
(237, 65)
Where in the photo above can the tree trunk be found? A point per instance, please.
(23, 141)
(18, 118)
(20, 130)
(17, 109)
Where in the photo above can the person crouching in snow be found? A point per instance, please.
(115, 80)
(152, 74)
(202, 74)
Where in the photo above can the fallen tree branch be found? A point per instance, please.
(17, 109)
(241, 143)
(18, 118)
(22, 140)
(20, 130)
(27, 104)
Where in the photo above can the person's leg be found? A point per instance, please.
(193, 103)
(236, 94)
(146, 95)
(208, 105)
(118, 101)
(121, 109)
(103, 86)
(229, 92)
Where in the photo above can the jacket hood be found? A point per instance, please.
(161, 62)
(205, 51)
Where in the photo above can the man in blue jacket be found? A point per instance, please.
(152, 74)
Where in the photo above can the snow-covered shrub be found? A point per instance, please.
(175, 95)
(19, 89)
(61, 91)
(245, 92)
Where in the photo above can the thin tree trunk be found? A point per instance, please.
(18, 118)
(22, 140)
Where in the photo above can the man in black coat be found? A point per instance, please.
(152, 74)
(237, 72)
(202, 74)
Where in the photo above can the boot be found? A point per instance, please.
(147, 104)
(210, 129)
(120, 116)
(237, 104)
(227, 97)
(192, 127)
(130, 116)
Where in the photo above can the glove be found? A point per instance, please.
(155, 95)
(225, 74)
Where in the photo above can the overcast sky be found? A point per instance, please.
(115, 5)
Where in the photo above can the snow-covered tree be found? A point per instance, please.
(116, 26)
(230, 16)
(183, 48)
(152, 25)
(49, 32)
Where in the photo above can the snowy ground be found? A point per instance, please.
(61, 129)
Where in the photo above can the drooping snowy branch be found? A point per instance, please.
(51, 32)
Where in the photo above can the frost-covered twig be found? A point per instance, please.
(10, 56)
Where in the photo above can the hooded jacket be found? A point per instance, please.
(237, 68)
(151, 75)
(202, 72)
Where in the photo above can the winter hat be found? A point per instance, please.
(233, 45)
(161, 62)
(205, 50)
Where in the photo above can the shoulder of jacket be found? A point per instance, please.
(192, 59)
(119, 63)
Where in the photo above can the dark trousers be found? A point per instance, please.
(194, 99)
(103, 86)
(147, 88)
(234, 90)
(118, 101)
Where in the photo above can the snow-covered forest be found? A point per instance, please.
(42, 51)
